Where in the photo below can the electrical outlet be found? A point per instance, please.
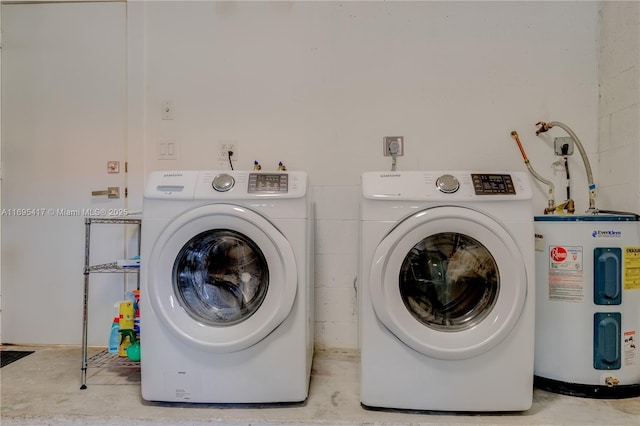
(223, 150)
(560, 142)
(386, 142)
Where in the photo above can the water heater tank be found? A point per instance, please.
(588, 305)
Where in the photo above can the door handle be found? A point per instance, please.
(110, 192)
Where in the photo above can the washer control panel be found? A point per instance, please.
(447, 186)
(225, 185)
(492, 184)
(270, 183)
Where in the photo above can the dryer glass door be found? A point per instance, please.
(450, 282)
(221, 277)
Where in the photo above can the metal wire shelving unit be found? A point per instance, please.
(103, 359)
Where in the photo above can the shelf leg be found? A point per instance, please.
(85, 305)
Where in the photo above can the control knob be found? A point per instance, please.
(223, 182)
(447, 184)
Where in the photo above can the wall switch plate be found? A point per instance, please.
(167, 150)
(560, 142)
(386, 142)
(223, 150)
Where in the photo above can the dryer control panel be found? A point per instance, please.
(225, 184)
(268, 183)
(447, 186)
(486, 184)
(252, 184)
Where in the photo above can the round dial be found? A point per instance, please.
(223, 182)
(448, 184)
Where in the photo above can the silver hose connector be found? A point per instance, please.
(592, 186)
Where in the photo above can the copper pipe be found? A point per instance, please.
(550, 195)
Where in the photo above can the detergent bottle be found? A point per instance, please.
(127, 314)
(126, 323)
(114, 337)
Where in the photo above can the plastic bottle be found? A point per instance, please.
(126, 315)
(133, 349)
(125, 341)
(136, 303)
(126, 323)
(136, 315)
(136, 327)
(114, 337)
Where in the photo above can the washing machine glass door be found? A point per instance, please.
(450, 282)
(222, 277)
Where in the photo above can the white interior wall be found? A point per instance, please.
(619, 74)
(318, 84)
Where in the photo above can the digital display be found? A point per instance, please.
(268, 183)
(486, 184)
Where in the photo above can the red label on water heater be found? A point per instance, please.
(566, 274)
(558, 254)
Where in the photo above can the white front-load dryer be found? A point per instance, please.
(226, 300)
(446, 291)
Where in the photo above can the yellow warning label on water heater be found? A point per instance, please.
(631, 268)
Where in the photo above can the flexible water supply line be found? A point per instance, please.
(592, 186)
(565, 161)
(550, 195)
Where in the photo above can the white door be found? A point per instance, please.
(220, 278)
(450, 282)
(63, 120)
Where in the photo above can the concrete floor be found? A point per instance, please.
(44, 389)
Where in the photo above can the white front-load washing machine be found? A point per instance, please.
(447, 291)
(226, 300)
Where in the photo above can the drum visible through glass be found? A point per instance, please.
(449, 281)
(221, 277)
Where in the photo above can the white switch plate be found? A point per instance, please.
(167, 150)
